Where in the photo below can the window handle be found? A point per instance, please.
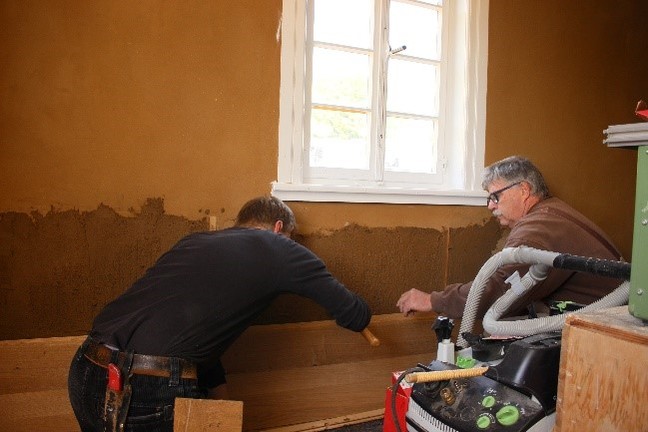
(397, 50)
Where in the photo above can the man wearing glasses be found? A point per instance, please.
(519, 199)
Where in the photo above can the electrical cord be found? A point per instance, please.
(394, 391)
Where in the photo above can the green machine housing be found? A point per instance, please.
(638, 301)
(635, 136)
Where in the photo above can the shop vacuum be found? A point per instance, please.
(518, 394)
(508, 380)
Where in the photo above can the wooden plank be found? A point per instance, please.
(42, 364)
(199, 415)
(290, 397)
(315, 371)
(332, 423)
(286, 346)
(37, 411)
(602, 384)
(32, 365)
(616, 322)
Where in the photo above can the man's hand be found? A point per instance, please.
(414, 301)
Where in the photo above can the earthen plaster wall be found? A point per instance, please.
(124, 126)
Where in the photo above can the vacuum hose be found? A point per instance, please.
(541, 262)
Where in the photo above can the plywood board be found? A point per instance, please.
(603, 386)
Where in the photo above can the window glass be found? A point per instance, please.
(413, 88)
(341, 78)
(344, 22)
(339, 139)
(416, 27)
(411, 145)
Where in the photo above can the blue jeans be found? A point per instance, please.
(152, 399)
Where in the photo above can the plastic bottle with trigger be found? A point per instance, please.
(445, 347)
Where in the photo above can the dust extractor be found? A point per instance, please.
(514, 387)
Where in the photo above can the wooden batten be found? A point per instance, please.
(299, 376)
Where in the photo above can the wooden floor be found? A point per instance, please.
(290, 377)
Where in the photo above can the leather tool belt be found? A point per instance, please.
(159, 366)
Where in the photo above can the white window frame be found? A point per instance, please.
(463, 118)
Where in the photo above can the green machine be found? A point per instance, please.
(635, 135)
(638, 301)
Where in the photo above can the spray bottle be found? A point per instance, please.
(445, 347)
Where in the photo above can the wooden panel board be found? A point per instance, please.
(303, 395)
(36, 364)
(603, 386)
(37, 411)
(332, 423)
(195, 415)
(323, 342)
(285, 374)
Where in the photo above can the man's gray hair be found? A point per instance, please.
(516, 169)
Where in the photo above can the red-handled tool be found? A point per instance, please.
(115, 379)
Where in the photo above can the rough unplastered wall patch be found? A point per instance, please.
(59, 269)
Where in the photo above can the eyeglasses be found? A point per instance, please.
(494, 196)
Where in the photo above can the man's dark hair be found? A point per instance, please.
(266, 210)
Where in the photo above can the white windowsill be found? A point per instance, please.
(374, 194)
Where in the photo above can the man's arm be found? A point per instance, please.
(307, 275)
(452, 300)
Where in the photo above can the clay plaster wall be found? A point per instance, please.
(124, 126)
(559, 73)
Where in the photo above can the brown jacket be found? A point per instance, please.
(554, 226)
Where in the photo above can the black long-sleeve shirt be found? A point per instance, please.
(208, 288)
